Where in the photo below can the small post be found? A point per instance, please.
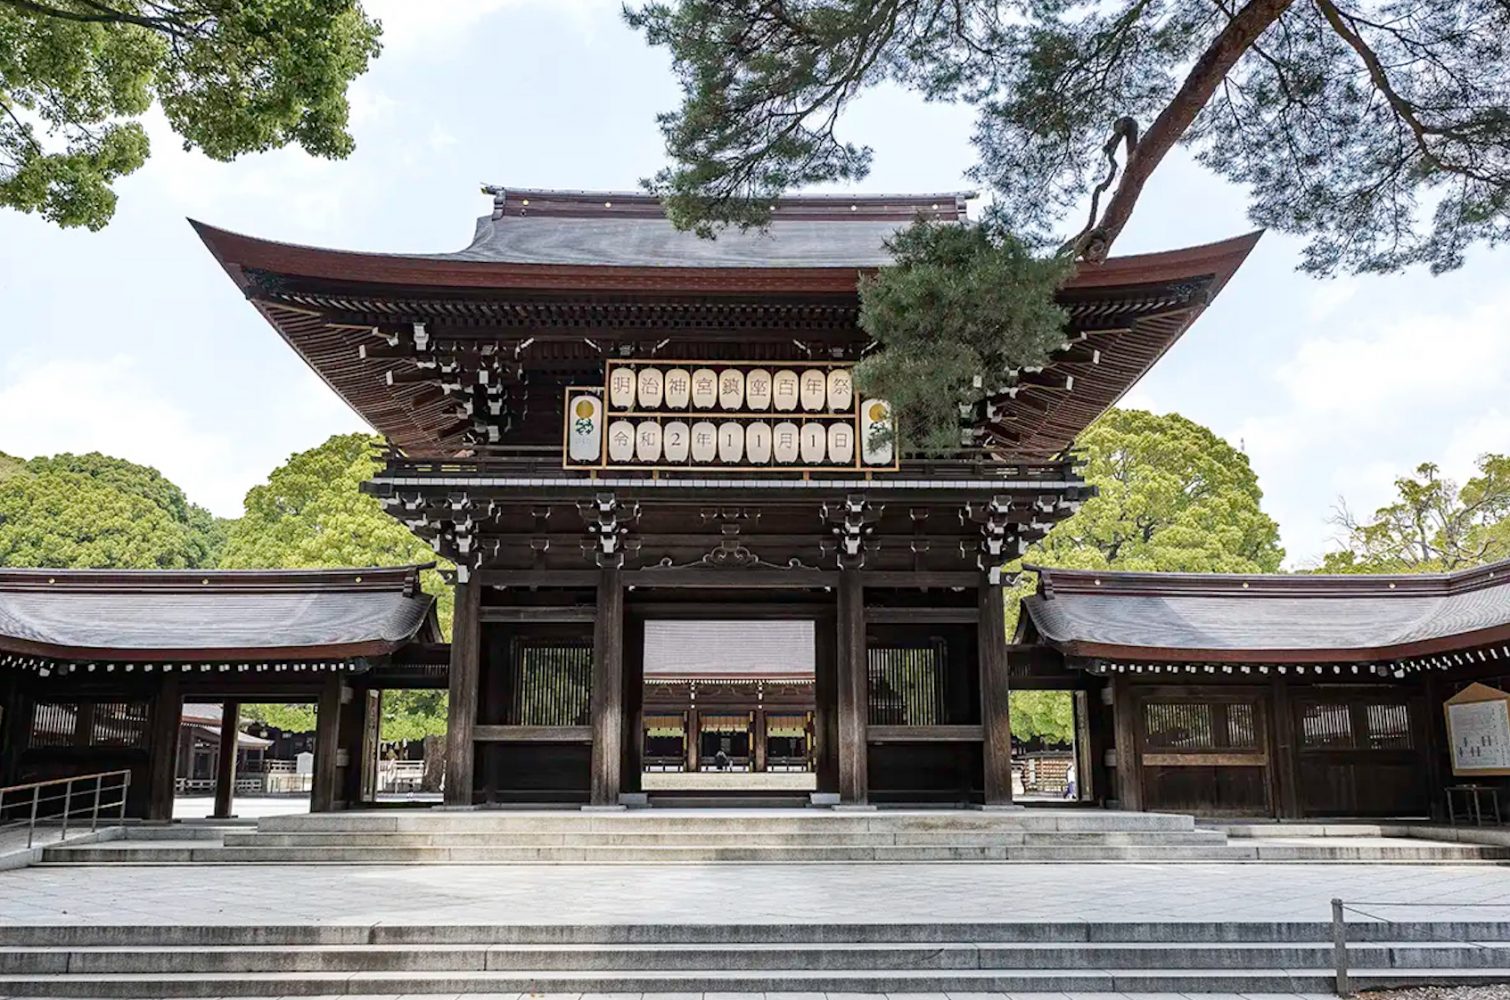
(94, 817)
(31, 831)
(67, 808)
(1339, 949)
(125, 793)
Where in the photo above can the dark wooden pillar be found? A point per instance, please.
(995, 693)
(1283, 760)
(461, 718)
(355, 758)
(853, 702)
(225, 766)
(758, 741)
(15, 729)
(608, 690)
(1129, 774)
(693, 727)
(634, 704)
(162, 763)
(1432, 726)
(825, 748)
(326, 779)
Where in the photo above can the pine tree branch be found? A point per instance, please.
(1200, 84)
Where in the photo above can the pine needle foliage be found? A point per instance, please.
(961, 309)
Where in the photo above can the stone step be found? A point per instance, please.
(1070, 934)
(750, 821)
(636, 838)
(262, 984)
(696, 958)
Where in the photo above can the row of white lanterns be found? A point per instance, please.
(815, 390)
(732, 442)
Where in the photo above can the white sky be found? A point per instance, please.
(131, 341)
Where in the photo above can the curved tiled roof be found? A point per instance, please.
(1270, 618)
(193, 615)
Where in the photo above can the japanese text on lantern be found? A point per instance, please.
(732, 415)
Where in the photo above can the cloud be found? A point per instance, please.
(83, 405)
(410, 25)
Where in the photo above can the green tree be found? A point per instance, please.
(1377, 129)
(1433, 525)
(311, 513)
(95, 511)
(1045, 715)
(203, 533)
(232, 77)
(961, 310)
(1172, 496)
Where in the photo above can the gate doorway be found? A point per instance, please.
(728, 706)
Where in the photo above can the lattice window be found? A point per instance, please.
(1327, 726)
(120, 724)
(53, 724)
(553, 685)
(1178, 725)
(1242, 731)
(1389, 727)
(909, 685)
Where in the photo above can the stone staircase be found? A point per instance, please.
(1133, 957)
(750, 835)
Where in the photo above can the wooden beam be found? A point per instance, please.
(925, 734)
(608, 690)
(853, 690)
(535, 616)
(461, 719)
(162, 749)
(225, 765)
(995, 694)
(921, 616)
(532, 734)
(322, 794)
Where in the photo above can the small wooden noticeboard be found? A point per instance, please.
(1478, 730)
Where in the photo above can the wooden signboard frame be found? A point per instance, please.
(1470, 695)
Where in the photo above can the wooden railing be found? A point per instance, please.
(60, 799)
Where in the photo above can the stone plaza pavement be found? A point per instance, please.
(728, 893)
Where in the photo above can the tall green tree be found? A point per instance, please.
(1044, 715)
(232, 77)
(311, 513)
(99, 512)
(1432, 526)
(1172, 496)
(1379, 130)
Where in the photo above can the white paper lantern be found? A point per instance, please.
(676, 442)
(621, 389)
(814, 391)
(784, 443)
(814, 443)
(758, 389)
(651, 388)
(731, 388)
(841, 444)
(647, 441)
(621, 441)
(704, 388)
(877, 435)
(841, 390)
(784, 389)
(704, 441)
(678, 388)
(585, 432)
(758, 443)
(731, 441)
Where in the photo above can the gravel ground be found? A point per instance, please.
(1441, 993)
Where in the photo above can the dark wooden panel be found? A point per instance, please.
(532, 734)
(924, 734)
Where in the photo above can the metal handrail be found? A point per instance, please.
(103, 781)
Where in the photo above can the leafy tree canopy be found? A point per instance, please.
(1379, 130)
(232, 77)
(295, 718)
(95, 511)
(961, 310)
(1172, 496)
(1048, 716)
(1432, 526)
